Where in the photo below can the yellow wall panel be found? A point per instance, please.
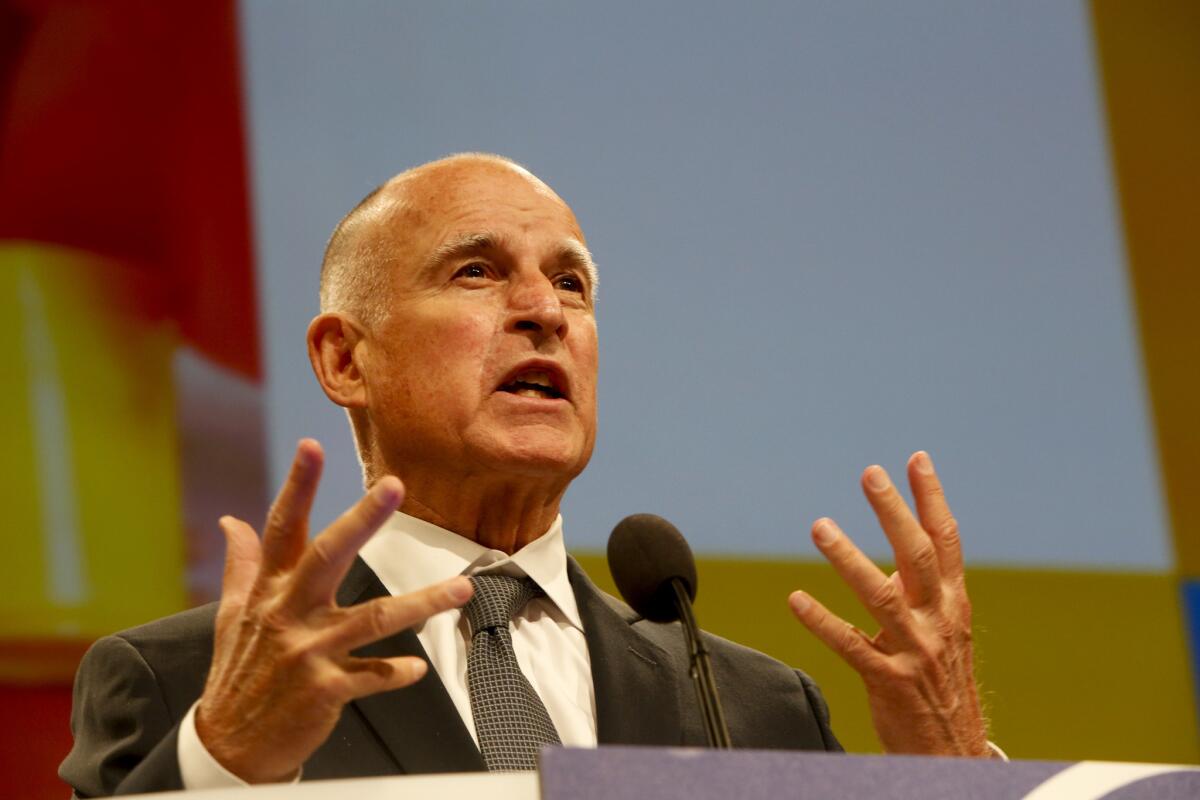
(90, 466)
(1149, 55)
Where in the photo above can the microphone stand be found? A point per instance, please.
(701, 671)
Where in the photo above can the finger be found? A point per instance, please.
(385, 616)
(328, 557)
(838, 635)
(916, 557)
(242, 557)
(286, 532)
(367, 676)
(880, 596)
(935, 514)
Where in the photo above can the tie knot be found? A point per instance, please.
(496, 599)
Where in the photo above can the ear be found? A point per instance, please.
(336, 349)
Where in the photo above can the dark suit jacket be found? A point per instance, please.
(133, 688)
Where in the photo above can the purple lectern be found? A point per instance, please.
(682, 774)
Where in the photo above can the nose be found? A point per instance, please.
(535, 307)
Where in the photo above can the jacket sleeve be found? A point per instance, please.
(125, 736)
(820, 711)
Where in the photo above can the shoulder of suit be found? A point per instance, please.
(747, 661)
(751, 661)
(191, 627)
(669, 636)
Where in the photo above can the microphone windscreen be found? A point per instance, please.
(644, 553)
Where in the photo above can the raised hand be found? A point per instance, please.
(282, 669)
(919, 667)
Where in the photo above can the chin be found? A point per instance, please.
(546, 454)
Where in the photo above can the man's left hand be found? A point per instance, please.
(919, 668)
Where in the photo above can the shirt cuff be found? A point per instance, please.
(997, 752)
(197, 768)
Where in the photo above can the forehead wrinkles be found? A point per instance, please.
(425, 212)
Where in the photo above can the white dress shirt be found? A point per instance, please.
(408, 554)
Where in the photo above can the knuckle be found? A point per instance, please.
(849, 642)
(277, 520)
(834, 550)
(819, 621)
(947, 530)
(333, 690)
(897, 672)
(928, 656)
(435, 599)
(959, 608)
(935, 492)
(381, 673)
(924, 559)
(379, 619)
(321, 552)
(886, 598)
(946, 628)
(372, 505)
(891, 503)
(293, 655)
(271, 617)
(360, 677)
(841, 551)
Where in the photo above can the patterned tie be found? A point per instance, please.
(510, 720)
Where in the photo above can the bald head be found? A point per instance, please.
(358, 260)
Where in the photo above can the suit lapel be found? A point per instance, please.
(637, 693)
(419, 725)
(636, 685)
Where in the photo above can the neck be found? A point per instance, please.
(502, 515)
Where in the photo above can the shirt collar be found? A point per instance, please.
(409, 553)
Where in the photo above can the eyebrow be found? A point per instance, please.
(571, 251)
(460, 246)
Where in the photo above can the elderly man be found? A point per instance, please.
(457, 329)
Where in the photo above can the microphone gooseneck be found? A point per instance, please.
(655, 572)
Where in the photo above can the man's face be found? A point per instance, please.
(486, 360)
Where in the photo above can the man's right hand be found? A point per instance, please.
(282, 669)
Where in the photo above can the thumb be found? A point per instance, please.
(243, 554)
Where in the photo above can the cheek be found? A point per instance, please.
(454, 353)
(586, 355)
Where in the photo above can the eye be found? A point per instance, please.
(569, 283)
(475, 269)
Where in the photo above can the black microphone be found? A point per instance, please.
(655, 572)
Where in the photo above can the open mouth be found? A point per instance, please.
(534, 383)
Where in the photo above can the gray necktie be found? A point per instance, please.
(510, 720)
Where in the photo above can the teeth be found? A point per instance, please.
(536, 378)
(533, 383)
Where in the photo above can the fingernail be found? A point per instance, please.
(460, 589)
(877, 479)
(923, 463)
(823, 532)
(800, 602)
